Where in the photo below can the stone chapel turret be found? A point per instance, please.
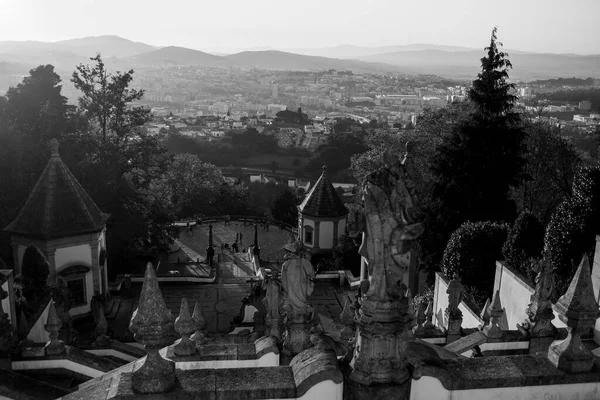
(322, 217)
(63, 221)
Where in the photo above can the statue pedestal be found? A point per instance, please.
(297, 334)
(273, 328)
(357, 391)
(382, 327)
(453, 329)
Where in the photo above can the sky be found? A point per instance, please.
(555, 26)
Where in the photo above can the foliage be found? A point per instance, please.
(551, 162)
(344, 256)
(475, 165)
(116, 162)
(575, 96)
(285, 207)
(190, 186)
(337, 153)
(35, 270)
(472, 251)
(574, 225)
(525, 242)
(291, 117)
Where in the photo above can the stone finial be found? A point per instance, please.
(199, 325)
(578, 308)
(54, 148)
(485, 312)
(151, 323)
(53, 323)
(429, 316)
(184, 325)
(492, 330)
(101, 329)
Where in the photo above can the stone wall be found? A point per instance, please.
(440, 303)
(515, 295)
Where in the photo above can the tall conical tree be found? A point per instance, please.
(475, 166)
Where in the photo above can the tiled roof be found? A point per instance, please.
(58, 205)
(323, 201)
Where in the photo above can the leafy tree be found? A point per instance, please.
(472, 251)
(574, 225)
(551, 163)
(475, 166)
(274, 166)
(285, 207)
(116, 161)
(525, 242)
(190, 186)
(35, 269)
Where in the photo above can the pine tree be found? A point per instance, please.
(475, 166)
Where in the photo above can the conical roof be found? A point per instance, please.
(58, 205)
(323, 201)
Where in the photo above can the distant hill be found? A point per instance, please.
(467, 64)
(448, 61)
(273, 59)
(108, 45)
(173, 55)
(349, 51)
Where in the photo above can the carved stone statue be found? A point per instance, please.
(297, 275)
(390, 228)
(544, 281)
(61, 294)
(384, 318)
(455, 292)
(272, 302)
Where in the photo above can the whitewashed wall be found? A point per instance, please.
(326, 234)
(440, 303)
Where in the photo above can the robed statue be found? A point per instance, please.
(391, 227)
(297, 275)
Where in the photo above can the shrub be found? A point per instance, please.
(574, 225)
(472, 251)
(525, 241)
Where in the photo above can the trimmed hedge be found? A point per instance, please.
(525, 241)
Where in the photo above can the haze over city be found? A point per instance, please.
(552, 26)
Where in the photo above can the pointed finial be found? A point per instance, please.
(101, 329)
(52, 326)
(578, 308)
(492, 330)
(54, 147)
(210, 235)
(151, 323)
(184, 325)
(324, 168)
(199, 324)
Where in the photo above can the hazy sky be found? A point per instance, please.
(558, 26)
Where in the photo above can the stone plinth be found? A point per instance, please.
(453, 328)
(297, 334)
(382, 327)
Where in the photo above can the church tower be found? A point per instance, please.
(63, 221)
(322, 217)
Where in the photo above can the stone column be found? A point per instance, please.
(335, 232)
(50, 257)
(95, 265)
(316, 235)
(578, 309)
